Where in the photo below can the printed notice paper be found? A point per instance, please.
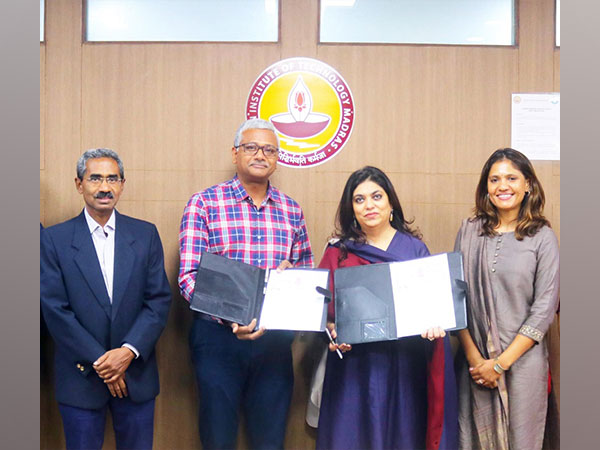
(535, 127)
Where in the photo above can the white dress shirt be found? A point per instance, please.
(104, 243)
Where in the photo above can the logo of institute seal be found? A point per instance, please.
(310, 105)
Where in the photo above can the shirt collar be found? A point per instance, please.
(240, 193)
(93, 225)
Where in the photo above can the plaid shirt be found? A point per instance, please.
(224, 220)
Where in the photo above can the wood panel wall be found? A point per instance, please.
(428, 115)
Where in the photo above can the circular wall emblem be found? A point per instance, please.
(310, 105)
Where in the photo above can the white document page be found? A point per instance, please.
(292, 301)
(422, 295)
(535, 125)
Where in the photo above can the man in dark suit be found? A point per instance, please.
(43, 337)
(105, 298)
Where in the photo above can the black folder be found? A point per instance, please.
(364, 301)
(235, 291)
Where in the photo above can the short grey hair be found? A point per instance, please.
(254, 124)
(98, 153)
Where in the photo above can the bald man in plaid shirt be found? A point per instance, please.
(238, 367)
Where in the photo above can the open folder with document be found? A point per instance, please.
(239, 292)
(379, 302)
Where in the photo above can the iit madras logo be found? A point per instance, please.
(310, 105)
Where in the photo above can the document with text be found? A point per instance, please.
(387, 301)
(238, 292)
(422, 295)
(292, 301)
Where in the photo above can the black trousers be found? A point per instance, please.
(133, 424)
(255, 377)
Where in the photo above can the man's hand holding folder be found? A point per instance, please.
(248, 332)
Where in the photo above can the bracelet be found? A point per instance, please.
(498, 368)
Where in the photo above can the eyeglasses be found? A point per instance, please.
(98, 179)
(252, 148)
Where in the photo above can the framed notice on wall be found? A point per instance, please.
(535, 125)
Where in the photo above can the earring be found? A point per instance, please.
(356, 223)
(391, 215)
(527, 192)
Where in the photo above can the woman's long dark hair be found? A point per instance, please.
(346, 226)
(531, 217)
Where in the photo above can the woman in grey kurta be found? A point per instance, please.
(511, 266)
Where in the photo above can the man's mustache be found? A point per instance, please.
(107, 194)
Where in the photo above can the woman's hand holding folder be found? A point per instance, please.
(334, 346)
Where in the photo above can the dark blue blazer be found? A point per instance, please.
(80, 317)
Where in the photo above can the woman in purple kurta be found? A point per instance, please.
(383, 395)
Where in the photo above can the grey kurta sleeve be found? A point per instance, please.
(546, 287)
(459, 236)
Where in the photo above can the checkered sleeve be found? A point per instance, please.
(193, 240)
(302, 255)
